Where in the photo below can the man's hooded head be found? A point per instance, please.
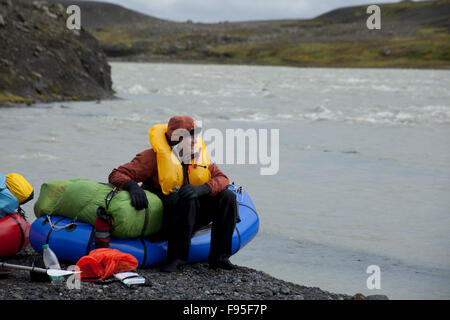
(180, 126)
(181, 135)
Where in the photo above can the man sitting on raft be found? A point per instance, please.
(193, 191)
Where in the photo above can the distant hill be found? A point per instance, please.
(102, 14)
(413, 34)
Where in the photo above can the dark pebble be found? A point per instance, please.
(193, 281)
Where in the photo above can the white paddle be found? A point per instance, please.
(50, 272)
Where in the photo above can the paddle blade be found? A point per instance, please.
(61, 273)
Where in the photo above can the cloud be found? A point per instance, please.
(237, 10)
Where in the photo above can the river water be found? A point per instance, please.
(363, 164)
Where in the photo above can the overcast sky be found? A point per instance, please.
(237, 10)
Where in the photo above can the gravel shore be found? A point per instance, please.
(192, 282)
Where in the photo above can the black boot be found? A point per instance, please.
(222, 262)
(172, 265)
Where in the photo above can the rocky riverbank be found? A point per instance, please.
(42, 60)
(192, 282)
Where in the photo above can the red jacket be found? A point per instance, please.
(144, 167)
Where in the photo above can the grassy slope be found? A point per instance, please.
(431, 52)
(413, 34)
(425, 45)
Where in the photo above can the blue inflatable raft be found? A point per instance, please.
(71, 240)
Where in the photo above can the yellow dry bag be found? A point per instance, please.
(19, 187)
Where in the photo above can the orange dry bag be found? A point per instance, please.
(103, 263)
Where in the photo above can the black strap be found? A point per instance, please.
(109, 185)
(145, 253)
(51, 229)
(238, 217)
(142, 236)
(105, 216)
(88, 247)
(109, 197)
(22, 233)
(239, 238)
(243, 204)
(22, 213)
(145, 222)
(186, 173)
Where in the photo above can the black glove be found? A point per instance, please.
(190, 192)
(137, 194)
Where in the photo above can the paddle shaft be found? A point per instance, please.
(50, 272)
(15, 266)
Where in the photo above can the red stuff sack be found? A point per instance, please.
(102, 263)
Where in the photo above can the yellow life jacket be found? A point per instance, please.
(170, 169)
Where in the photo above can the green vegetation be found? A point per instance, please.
(412, 35)
(399, 52)
(6, 96)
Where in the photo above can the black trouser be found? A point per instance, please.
(182, 217)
